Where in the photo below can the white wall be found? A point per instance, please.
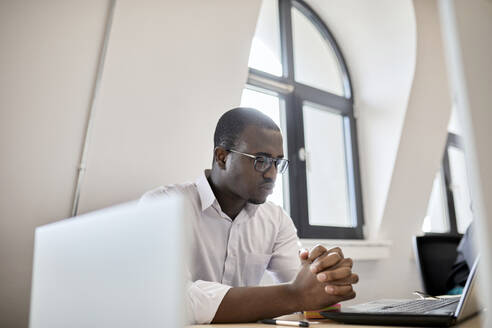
(47, 68)
(172, 68)
(419, 153)
(170, 73)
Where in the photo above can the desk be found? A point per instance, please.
(474, 322)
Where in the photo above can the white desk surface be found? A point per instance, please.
(474, 322)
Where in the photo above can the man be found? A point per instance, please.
(237, 235)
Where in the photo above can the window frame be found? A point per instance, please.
(293, 95)
(453, 140)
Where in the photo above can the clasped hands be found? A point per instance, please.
(325, 278)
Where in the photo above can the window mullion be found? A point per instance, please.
(286, 43)
(453, 226)
(297, 168)
(268, 82)
(344, 105)
(353, 170)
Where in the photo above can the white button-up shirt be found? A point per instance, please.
(229, 253)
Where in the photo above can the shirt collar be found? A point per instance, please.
(207, 196)
(205, 192)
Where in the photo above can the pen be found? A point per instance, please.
(285, 323)
(424, 295)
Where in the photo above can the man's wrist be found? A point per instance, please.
(294, 298)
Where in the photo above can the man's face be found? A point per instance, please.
(242, 178)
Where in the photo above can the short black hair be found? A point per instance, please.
(233, 122)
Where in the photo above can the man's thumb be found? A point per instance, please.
(303, 255)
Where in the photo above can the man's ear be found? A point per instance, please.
(220, 157)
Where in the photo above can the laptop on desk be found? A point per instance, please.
(118, 267)
(426, 312)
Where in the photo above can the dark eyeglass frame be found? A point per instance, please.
(268, 160)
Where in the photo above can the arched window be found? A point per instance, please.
(449, 210)
(297, 76)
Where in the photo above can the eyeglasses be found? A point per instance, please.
(264, 163)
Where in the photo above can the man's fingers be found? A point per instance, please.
(333, 275)
(328, 260)
(316, 252)
(319, 250)
(346, 262)
(336, 250)
(339, 290)
(352, 279)
(303, 255)
(347, 296)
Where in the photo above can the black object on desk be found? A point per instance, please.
(285, 323)
(435, 257)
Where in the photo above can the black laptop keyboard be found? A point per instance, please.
(418, 306)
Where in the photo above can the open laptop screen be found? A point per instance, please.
(116, 267)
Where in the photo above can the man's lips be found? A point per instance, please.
(268, 185)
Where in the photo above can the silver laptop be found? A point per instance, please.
(117, 267)
(424, 312)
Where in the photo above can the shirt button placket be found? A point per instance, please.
(231, 260)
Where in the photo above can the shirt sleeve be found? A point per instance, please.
(203, 299)
(284, 263)
(156, 194)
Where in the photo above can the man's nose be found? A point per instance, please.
(271, 173)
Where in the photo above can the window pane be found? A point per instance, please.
(315, 63)
(461, 193)
(326, 172)
(269, 105)
(436, 219)
(265, 48)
